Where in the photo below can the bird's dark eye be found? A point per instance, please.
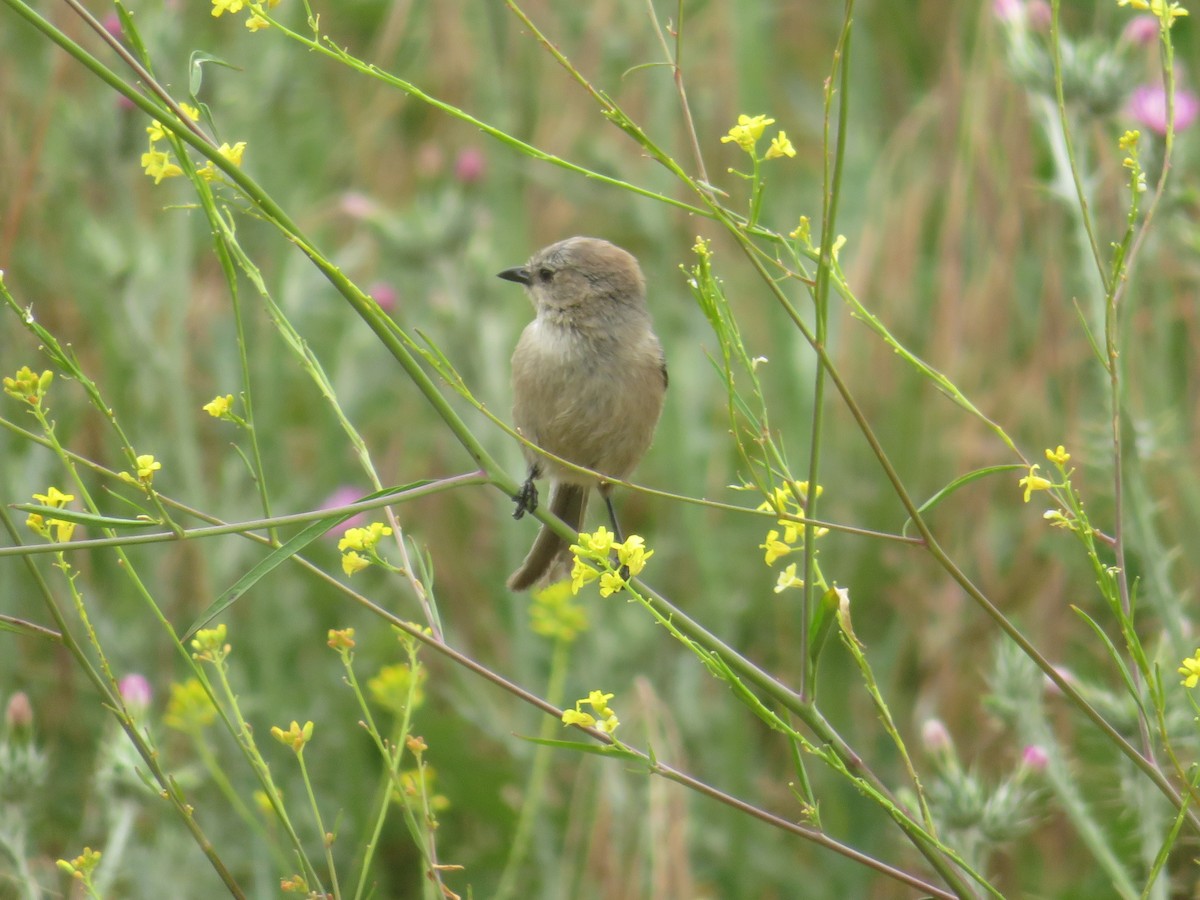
(545, 274)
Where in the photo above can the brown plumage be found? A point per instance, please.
(588, 383)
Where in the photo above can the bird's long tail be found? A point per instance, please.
(548, 559)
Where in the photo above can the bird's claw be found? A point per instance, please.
(526, 499)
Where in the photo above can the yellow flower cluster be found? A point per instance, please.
(749, 129)
(189, 707)
(784, 501)
(82, 866)
(601, 718)
(398, 687)
(1035, 482)
(147, 465)
(27, 386)
(295, 737)
(358, 546)
(209, 645)
(58, 530)
(1165, 11)
(157, 162)
(256, 21)
(631, 554)
(555, 615)
(1191, 670)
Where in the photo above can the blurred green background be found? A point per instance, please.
(956, 238)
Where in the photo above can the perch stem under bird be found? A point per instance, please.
(588, 384)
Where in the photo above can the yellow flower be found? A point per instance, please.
(1058, 456)
(747, 131)
(82, 866)
(226, 6)
(341, 638)
(775, 548)
(610, 583)
(1034, 482)
(158, 165)
(598, 700)
(147, 465)
(210, 645)
(1129, 140)
(788, 579)
(581, 574)
(575, 717)
(599, 543)
(1191, 670)
(398, 687)
(257, 23)
(604, 719)
(189, 708)
(1164, 10)
(1056, 518)
(295, 737)
(54, 497)
(27, 386)
(234, 153)
(780, 146)
(218, 407)
(353, 563)
(364, 538)
(802, 231)
(633, 554)
(37, 524)
(553, 614)
(62, 530)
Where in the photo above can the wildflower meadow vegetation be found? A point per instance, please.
(904, 606)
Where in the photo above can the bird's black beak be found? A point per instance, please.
(519, 274)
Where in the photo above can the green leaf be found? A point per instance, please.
(824, 618)
(265, 566)
(196, 69)
(1112, 651)
(27, 629)
(282, 554)
(129, 30)
(83, 518)
(961, 481)
(594, 749)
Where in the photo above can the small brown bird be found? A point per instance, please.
(588, 380)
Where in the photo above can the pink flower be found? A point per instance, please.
(385, 295)
(340, 497)
(18, 715)
(1008, 10)
(1148, 106)
(470, 165)
(135, 691)
(1039, 14)
(935, 737)
(1035, 758)
(358, 206)
(112, 24)
(1141, 30)
(1051, 686)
